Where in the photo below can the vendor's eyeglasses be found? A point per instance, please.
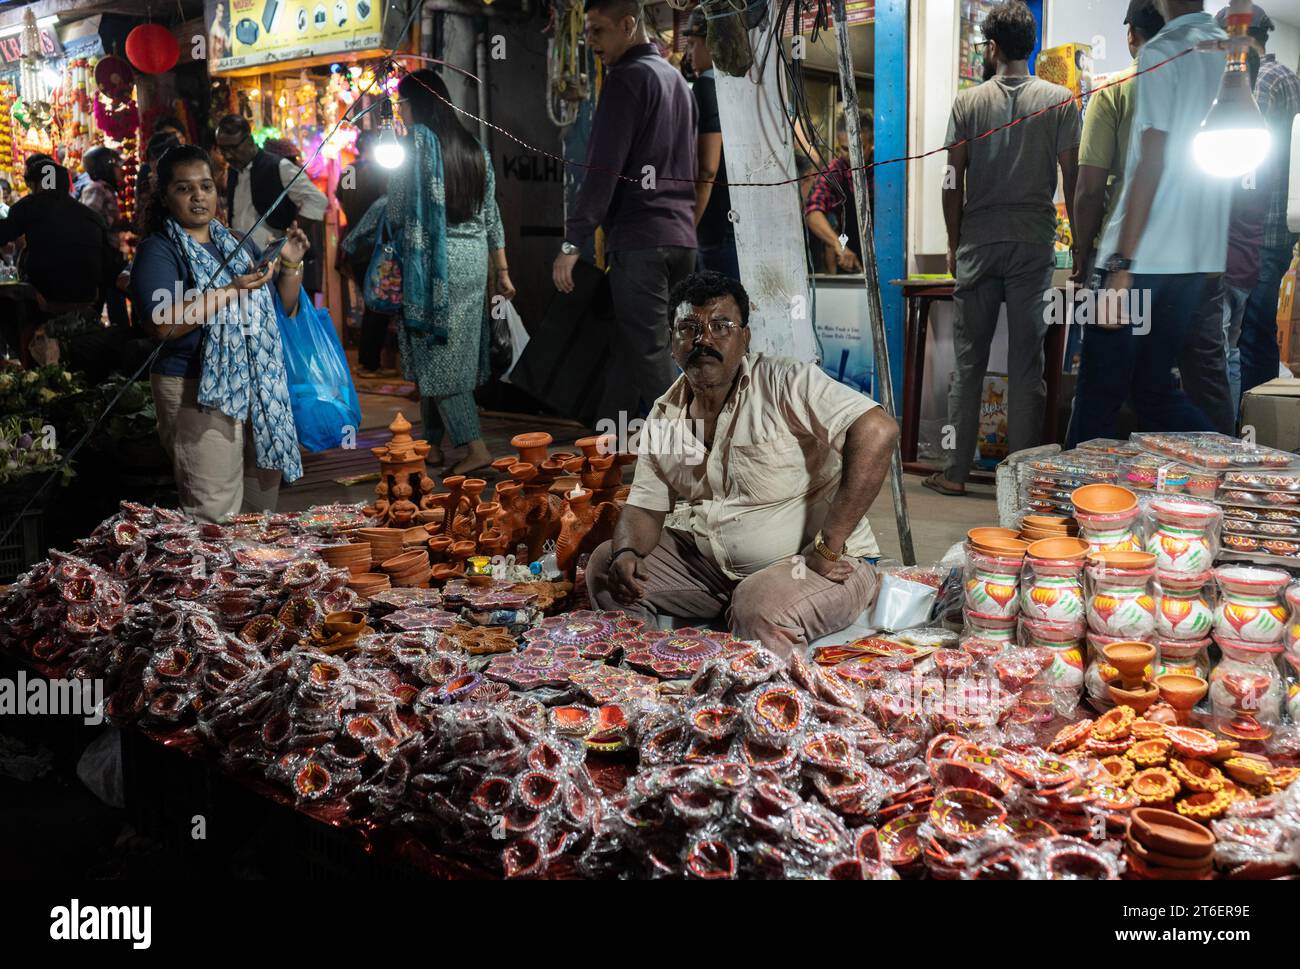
(228, 150)
(687, 327)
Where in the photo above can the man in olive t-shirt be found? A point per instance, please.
(998, 203)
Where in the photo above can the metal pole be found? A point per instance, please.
(871, 273)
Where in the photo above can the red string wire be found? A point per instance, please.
(790, 181)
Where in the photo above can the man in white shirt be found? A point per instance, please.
(256, 180)
(1166, 236)
(779, 464)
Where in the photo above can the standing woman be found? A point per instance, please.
(442, 209)
(97, 188)
(219, 383)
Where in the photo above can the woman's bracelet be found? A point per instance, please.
(286, 264)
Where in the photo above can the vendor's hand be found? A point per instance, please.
(627, 577)
(835, 571)
(297, 245)
(253, 280)
(562, 272)
(501, 284)
(952, 263)
(847, 261)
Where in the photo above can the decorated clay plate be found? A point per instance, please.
(879, 646)
(1192, 741)
(962, 813)
(899, 841)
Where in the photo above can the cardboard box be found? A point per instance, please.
(1069, 65)
(1273, 410)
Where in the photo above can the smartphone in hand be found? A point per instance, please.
(269, 254)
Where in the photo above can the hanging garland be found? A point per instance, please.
(130, 170)
(9, 155)
(115, 120)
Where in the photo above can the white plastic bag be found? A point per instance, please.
(518, 338)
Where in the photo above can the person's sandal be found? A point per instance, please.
(940, 485)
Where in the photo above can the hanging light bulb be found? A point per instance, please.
(1234, 139)
(388, 152)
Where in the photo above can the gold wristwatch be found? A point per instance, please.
(824, 550)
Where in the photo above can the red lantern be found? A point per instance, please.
(151, 48)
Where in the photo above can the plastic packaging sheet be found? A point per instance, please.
(906, 597)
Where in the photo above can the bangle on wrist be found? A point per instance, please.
(286, 264)
(626, 548)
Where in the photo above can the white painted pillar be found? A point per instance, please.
(769, 221)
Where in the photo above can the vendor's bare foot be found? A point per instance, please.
(938, 483)
(477, 459)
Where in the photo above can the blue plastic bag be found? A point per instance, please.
(325, 405)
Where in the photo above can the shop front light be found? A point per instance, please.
(388, 152)
(1234, 139)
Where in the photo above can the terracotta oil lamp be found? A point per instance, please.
(1131, 659)
(532, 446)
(1182, 691)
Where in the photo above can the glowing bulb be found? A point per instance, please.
(389, 153)
(1231, 152)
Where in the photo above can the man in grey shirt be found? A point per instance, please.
(998, 203)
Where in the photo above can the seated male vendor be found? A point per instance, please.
(779, 464)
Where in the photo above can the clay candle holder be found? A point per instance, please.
(1140, 698)
(532, 446)
(1182, 691)
(1131, 659)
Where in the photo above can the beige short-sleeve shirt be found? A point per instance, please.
(762, 492)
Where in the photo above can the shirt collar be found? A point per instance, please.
(636, 52)
(1268, 59)
(708, 72)
(677, 397)
(1198, 17)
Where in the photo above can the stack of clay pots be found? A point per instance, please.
(994, 557)
(338, 632)
(408, 570)
(1120, 608)
(1165, 846)
(354, 556)
(1052, 614)
(1107, 516)
(384, 542)
(1036, 528)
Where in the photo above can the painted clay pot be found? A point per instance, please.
(1250, 605)
(1065, 642)
(1293, 688)
(1191, 658)
(1182, 542)
(992, 587)
(1247, 683)
(1109, 533)
(993, 627)
(1183, 610)
(1052, 590)
(1121, 604)
(1292, 638)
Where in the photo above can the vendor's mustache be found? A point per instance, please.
(703, 351)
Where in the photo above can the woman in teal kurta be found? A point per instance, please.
(442, 210)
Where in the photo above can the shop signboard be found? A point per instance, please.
(245, 34)
(11, 48)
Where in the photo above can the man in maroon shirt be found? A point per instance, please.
(639, 188)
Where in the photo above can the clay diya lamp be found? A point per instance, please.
(460, 551)
(980, 536)
(1131, 660)
(952, 663)
(963, 813)
(443, 571)
(1182, 691)
(345, 623)
(440, 547)
(1058, 550)
(532, 446)
(1103, 499)
(1170, 834)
